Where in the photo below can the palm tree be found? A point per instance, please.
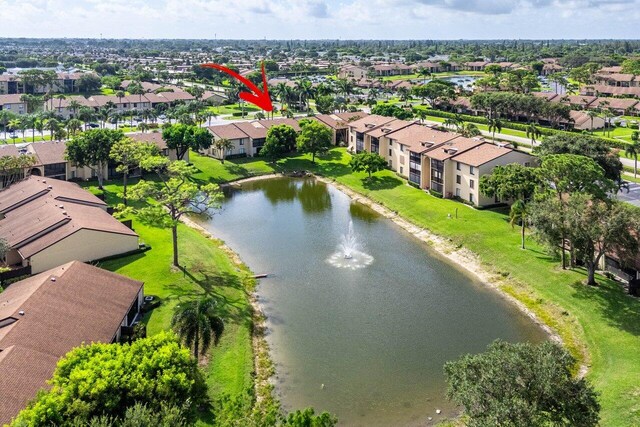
(223, 145)
(259, 115)
(592, 115)
(74, 105)
(424, 72)
(6, 117)
(469, 130)
(533, 132)
(451, 122)
(14, 124)
(196, 323)
(73, 126)
(519, 213)
(143, 127)
(632, 150)
(495, 125)
(421, 114)
(39, 126)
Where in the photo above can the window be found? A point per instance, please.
(458, 179)
(472, 184)
(402, 148)
(458, 167)
(457, 192)
(390, 142)
(390, 151)
(471, 199)
(390, 163)
(242, 151)
(401, 170)
(242, 142)
(55, 170)
(471, 170)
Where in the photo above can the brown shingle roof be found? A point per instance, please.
(84, 304)
(419, 138)
(150, 137)
(369, 122)
(481, 154)
(454, 147)
(229, 131)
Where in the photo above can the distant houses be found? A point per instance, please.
(65, 83)
(45, 316)
(48, 222)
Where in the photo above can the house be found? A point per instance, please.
(551, 68)
(618, 105)
(617, 79)
(580, 120)
(65, 83)
(44, 317)
(581, 102)
(382, 70)
(47, 222)
(476, 65)
(608, 90)
(354, 72)
(156, 138)
(339, 124)
(13, 103)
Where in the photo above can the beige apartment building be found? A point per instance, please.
(432, 159)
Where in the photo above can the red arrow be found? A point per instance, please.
(258, 97)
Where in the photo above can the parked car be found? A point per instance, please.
(93, 125)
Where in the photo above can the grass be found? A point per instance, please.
(209, 271)
(599, 325)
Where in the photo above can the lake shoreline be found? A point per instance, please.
(461, 257)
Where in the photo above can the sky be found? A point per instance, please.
(322, 19)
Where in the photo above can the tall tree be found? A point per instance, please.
(281, 139)
(198, 324)
(128, 155)
(93, 150)
(315, 138)
(223, 145)
(182, 137)
(174, 196)
(521, 385)
(632, 150)
(367, 162)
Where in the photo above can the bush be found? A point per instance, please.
(435, 193)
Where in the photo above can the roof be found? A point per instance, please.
(615, 103)
(61, 308)
(420, 138)
(547, 95)
(388, 128)
(38, 213)
(581, 100)
(613, 90)
(339, 120)
(149, 137)
(369, 122)
(229, 131)
(481, 154)
(50, 152)
(454, 147)
(11, 99)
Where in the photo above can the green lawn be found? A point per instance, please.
(600, 326)
(209, 271)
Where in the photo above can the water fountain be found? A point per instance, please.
(349, 254)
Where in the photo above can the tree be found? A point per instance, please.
(519, 212)
(597, 227)
(325, 104)
(494, 125)
(315, 138)
(223, 145)
(521, 385)
(632, 150)
(469, 130)
(108, 379)
(281, 139)
(174, 196)
(128, 154)
(533, 132)
(12, 168)
(182, 137)
(367, 162)
(595, 148)
(510, 182)
(93, 149)
(196, 323)
(89, 82)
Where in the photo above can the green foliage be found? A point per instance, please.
(325, 104)
(436, 92)
(308, 418)
(281, 139)
(106, 379)
(315, 138)
(521, 385)
(128, 155)
(367, 162)
(510, 182)
(573, 173)
(594, 148)
(631, 66)
(196, 323)
(392, 110)
(89, 82)
(93, 149)
(182, 137)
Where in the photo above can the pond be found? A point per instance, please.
(367, 342)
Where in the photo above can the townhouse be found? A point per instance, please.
(11, 84)
(44, 317)
(48, 222)
(354, 72)
(617, 79)
(383, 70)
(444, 162)
(128, 103)
(13, 103)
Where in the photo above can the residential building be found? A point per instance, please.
(476, 65)
(382, 70)
(156, 138)
(580, 120)
(353, 72)
(44, 317)
(617, 79)
(47, 222)
(339, 124)
(359, 140)
(13, 103)
(65, 83)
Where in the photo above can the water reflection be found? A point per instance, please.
(314, 196)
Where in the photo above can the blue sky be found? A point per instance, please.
(322, 19)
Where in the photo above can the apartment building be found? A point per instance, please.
(13, 103)
(444, 162)
(11, 84)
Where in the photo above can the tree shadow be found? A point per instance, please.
(611, 302)
(380, 182)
